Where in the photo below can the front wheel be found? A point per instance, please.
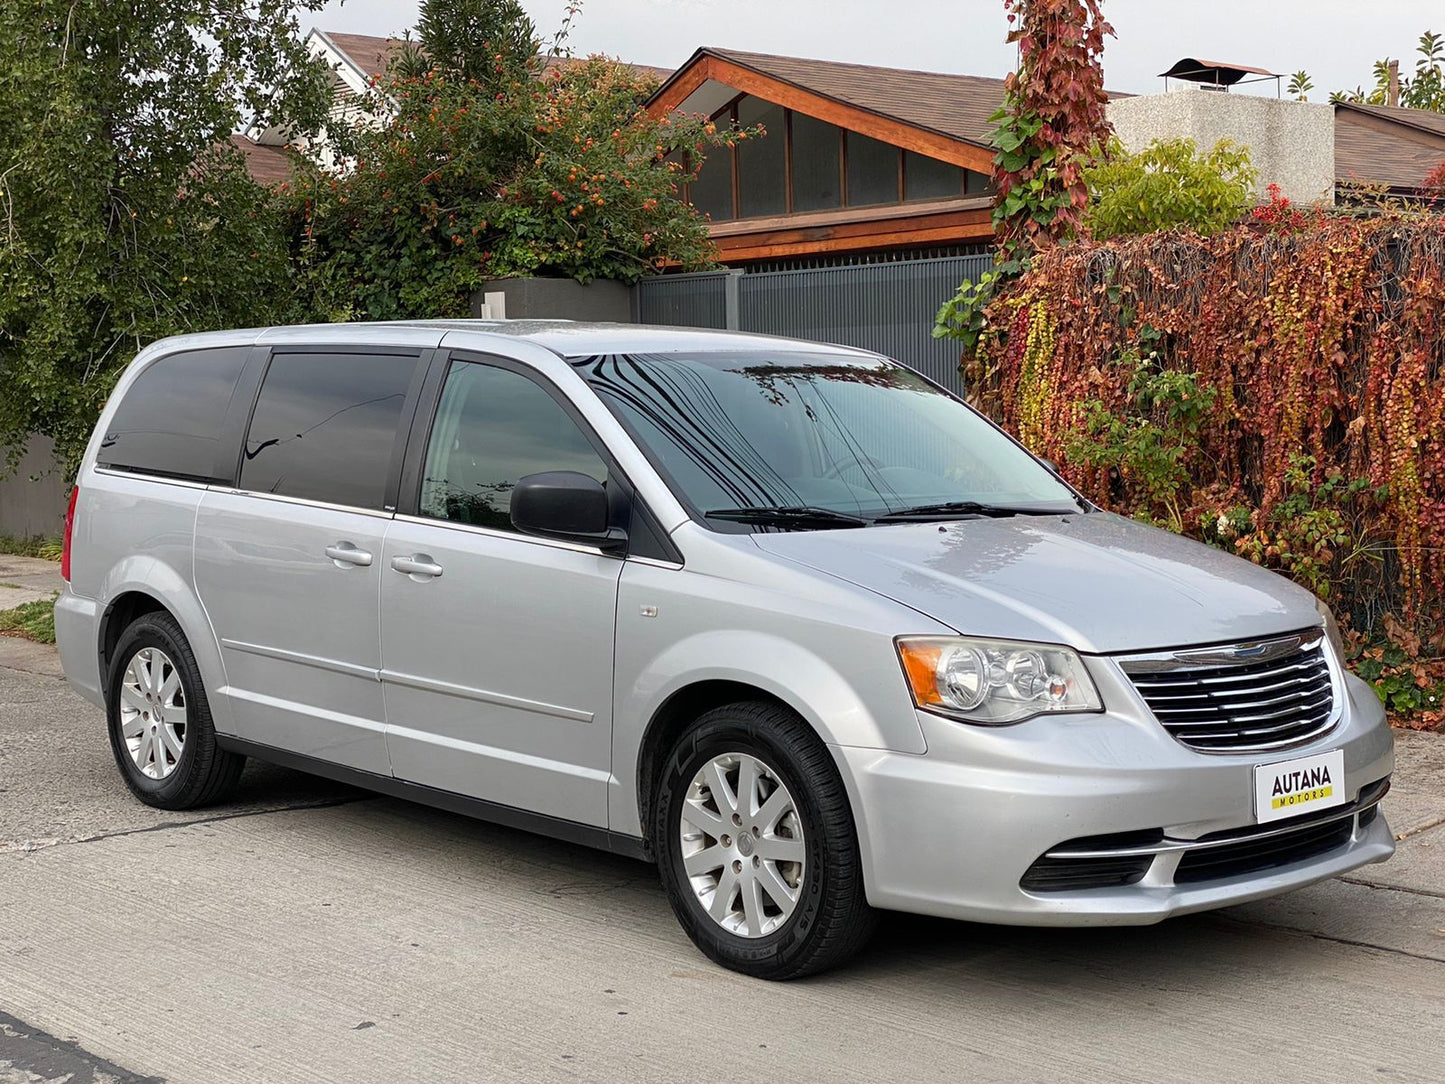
(757, 847)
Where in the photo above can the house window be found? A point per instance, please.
(762, 162)
(928, 178)
(817, 158)
(802, 164)
(872, 171)
(711, 192)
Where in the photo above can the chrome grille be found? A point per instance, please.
(1241, 698)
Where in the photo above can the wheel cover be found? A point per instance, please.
(742, 844)
(153, 712)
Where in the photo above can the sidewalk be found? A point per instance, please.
(26, 579)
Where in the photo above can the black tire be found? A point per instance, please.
(832, 919)
(204, 773)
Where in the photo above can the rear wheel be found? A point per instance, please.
(159, 720)
(757, 847)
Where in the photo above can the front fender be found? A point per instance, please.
(803, 680)
(865, 705)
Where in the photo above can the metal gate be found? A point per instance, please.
(887, 307)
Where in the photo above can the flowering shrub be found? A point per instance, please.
(491, 165)
(1277, 390)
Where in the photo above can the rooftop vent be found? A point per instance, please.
(1216, 75)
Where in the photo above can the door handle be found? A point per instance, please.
(346, 553)
(418, 566)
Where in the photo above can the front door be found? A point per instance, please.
(288, 565)
(497, 646)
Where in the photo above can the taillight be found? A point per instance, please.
(69, 530)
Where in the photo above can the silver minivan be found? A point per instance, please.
(786, 619)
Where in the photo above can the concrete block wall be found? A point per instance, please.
(33, 497)
(1292, 144)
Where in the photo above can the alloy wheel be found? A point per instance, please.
(153, 712)
(742, 844)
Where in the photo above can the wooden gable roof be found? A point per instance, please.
(936, 114)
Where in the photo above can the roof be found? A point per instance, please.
(371, 55)
(1387, 145)
(565, 338)
(957, 106)
(267, 165)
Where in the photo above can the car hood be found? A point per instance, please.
(1097, 582)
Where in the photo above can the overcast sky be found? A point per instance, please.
(1336, 41)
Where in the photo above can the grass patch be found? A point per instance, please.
(32, 621)
(46, 548)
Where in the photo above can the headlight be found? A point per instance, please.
(1332, 629)
(994, 682)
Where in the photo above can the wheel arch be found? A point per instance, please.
(145, 585)
(672, 718)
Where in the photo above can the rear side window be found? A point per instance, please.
(324, 426)
(170, 420)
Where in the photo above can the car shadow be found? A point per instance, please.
(1194, 953)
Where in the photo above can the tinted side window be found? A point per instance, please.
(494, 426)
(324, 426)
(170, 420)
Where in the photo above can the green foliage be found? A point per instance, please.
(1424, 90)
(559, 173)
(30, 621)
(1307, 534)
(1404, 685)
(125, 215)
(965, 315)
(47, 548)
(1168, 185)
(1300, 85)
(1151, 443)
(492, 43)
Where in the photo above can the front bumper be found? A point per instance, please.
(954, 831)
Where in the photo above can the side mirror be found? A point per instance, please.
(567, 505)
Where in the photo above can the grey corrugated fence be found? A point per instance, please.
(887, 307)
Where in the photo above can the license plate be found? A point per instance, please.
(1303, 785)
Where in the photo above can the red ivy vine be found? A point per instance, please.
(1051, 119)
(1277, 389)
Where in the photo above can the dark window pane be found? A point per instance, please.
(976, 184)
(170, 420)
(872, 171)
(928, 178)
(762, 168)
(493, 427)
(712, 192)
(324, 427)
(817, 173)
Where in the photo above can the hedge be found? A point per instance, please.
(1275, 390)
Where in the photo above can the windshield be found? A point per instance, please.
(824, 432)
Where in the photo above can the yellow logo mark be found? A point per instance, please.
(1302, 797)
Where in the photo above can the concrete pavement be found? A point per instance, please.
(310, 932)
(25, 579)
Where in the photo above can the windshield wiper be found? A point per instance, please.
(950, 509)
(801, 517)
